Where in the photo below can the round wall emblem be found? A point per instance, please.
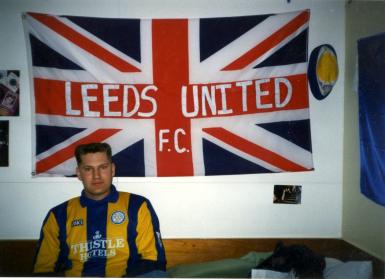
(322, 71)
(118, 217)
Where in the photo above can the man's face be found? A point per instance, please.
(96, 173)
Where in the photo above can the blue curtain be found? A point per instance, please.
(371, 90)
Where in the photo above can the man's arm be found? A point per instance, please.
(148, 242)
(48, 248)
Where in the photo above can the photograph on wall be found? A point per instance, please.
(4, 139)
(9, 92)
(290, 194)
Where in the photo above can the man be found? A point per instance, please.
(103, 232)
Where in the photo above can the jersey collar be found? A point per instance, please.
(112, 197)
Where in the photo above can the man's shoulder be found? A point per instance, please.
(132, 195)
(63, 205)
(133, 198)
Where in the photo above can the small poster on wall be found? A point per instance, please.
(9, 92)
(4, 140)
(290, 194)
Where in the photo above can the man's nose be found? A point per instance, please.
(96, 173)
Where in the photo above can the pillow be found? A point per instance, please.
(226, 268)
(336, 269)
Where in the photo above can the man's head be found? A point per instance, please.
(95, 169)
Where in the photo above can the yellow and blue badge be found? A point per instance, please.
(322, 71)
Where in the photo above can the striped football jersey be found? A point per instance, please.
(117, 236)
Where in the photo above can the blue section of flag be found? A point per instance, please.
(44, 56)
(132, 158)
(122, 34)
(371, 59)
(297, 132)
(219, 161)
(293, 52)
(49, 136)
(216, 33)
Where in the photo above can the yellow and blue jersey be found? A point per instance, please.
(114, 237)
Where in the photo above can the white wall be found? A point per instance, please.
(363, 220)
(196, 207)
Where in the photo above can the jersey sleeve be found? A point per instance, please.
(149, 241)
(144, 239)
(48, 247)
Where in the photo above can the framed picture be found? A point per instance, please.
(9, 92)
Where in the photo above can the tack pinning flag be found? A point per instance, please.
(371, 90)
(173, 97)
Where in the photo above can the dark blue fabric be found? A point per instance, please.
(219, 161)
(62, 262)
(293, 52)
(44, 56)
(161, 261)
(296, 131)
(371, 89)
(133, 208)
(216, 33)
(53, 135)
(112, 197)
(96, 229)
(123, 34)
(132, 158)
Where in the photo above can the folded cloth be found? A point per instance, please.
(336, 269)
(267, 274)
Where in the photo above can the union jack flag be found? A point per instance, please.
(173, 97)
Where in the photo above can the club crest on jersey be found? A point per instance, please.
(118, 217)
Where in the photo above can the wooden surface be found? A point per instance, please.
(202, 250)
(16, 256)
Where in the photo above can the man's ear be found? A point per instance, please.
(113, 169)
(78, 173)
